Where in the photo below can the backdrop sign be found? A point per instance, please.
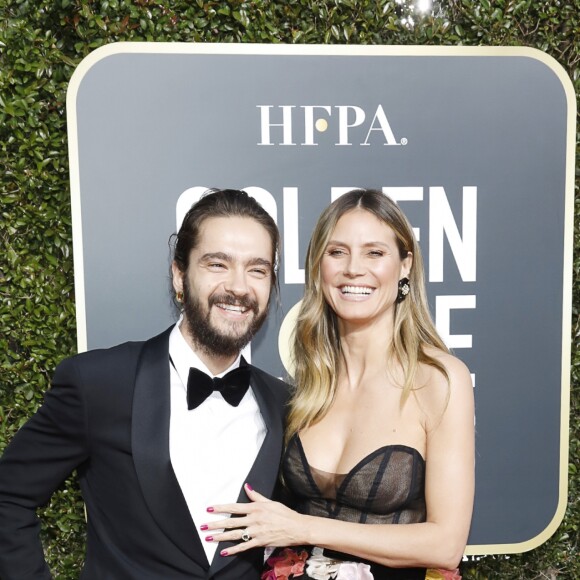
(476, 145)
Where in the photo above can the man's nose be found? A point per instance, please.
(237, 282)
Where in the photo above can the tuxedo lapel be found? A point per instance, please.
(264, 472)
(150, 443)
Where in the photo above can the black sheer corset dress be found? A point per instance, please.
(386, 487)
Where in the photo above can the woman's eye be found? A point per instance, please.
(335, 252)
(376, 253)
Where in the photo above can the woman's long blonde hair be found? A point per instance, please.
(316, 340)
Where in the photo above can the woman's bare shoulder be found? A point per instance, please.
(455, 367)
(444, 394)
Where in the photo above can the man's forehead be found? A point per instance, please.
(234, 234)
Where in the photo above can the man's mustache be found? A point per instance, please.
(233, 300)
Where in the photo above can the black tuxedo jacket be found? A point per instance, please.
(107, 416)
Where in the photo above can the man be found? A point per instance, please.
(152, 443)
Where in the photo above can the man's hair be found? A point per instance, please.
(217, 203)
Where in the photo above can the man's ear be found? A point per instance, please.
(177, 277)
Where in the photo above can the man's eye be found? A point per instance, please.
(261, 272)
(216, 265)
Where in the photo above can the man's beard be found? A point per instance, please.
(206, 336)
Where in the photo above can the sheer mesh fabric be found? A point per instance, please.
(386, 487)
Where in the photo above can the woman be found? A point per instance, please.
(381, 425)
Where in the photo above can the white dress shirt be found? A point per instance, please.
(213, 446)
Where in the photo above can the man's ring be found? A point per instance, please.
(246, 536)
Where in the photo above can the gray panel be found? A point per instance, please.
(153, 125)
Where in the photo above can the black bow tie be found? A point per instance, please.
(232, 386)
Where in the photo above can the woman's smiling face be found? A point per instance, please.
(361, 269)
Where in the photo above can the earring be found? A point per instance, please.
(179, 297)
(404, 289)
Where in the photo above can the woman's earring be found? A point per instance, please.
(404, 289)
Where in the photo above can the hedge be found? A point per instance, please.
(41, 42)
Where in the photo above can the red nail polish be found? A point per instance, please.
(210, 510)
(249, 487)
(209, 538)
(203, 527)
(224, 553)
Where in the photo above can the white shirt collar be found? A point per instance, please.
(183, 357)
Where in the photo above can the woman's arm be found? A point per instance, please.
(449, 489)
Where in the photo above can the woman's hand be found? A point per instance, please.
(264, 522)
